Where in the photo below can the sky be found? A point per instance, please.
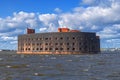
(99, 16)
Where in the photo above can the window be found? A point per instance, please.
(37, 49)
(61, 38)
(41, 48)
(67, 48)
(50, 38)
(61, 48)
(38, 44)
(46, 38)
(28, 48)
(61, 43)
(33, 49)
(56, 38)
(50, 48)
(56, 43)
(67, 43)
(79, 48)
(46, 48)
(56, 48)
(73, 43)
(73, 48)
(29, 44)
(73, 37)
(46, 43)
(50, 43)
(40, 38)
(79, 43)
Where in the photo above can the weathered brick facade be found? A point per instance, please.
(58, 43)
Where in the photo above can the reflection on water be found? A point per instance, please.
(60, 67)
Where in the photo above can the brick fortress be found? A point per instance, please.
(65, 41)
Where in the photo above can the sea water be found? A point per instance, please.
(104, 66)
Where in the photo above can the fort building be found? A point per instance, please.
(65, 41)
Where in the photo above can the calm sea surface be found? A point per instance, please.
(104, 66)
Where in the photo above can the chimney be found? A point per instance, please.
(30, 31)
(63, 29)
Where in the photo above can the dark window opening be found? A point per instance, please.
(73, 48)
(67, 48)
(46, 38)
(46, 43)
(40, 43)
(37, 49)
(73, 43)
(56, 43)
(46, 48)
(50, 48)
(41, 48)
(50, 43)
(61, 38)
(37, 43)
(61, 48)
(28, 48)
(79, 48)
(56, 38)
(73, 37)
(67, 43)
(49, 38)
(61, 43)
(33, 49)
(56, 48)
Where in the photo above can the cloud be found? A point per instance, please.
(50, 21)
(6, 38)
(101, 3)
(110, 32)
(43, 29)
(58, 10)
